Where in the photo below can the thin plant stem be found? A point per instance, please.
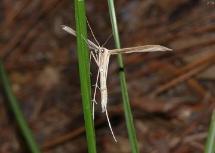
(124, 90)
(19, 117)
(210, 143)
(84, 72)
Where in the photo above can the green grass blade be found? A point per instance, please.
(84, 72)
(19, 117)
(210, 143)
(125, 97)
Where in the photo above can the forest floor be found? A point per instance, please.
(172, 94)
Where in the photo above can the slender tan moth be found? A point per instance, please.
(101, 56)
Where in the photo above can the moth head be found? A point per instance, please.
(102, 49)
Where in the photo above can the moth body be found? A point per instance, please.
(104, 56)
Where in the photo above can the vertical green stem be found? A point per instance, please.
(125, 97)
(19, 117)
(210, 143)
(84, 72)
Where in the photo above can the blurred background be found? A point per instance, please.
(171, 94)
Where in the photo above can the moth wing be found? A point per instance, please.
(146, 48)
(73, 32)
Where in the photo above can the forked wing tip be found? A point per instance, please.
(169, 49)
(165, 49)
(63, 26)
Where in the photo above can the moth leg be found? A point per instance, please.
(94, 94)
(90, 64)
(96, 84)
(95, 58)
(90, 56)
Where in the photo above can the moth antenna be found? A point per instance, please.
(107, 40)
(109, 124)
(92, 32)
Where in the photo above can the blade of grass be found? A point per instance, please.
(125, 97)
(210, 143)
(84, 72)
(19, 117)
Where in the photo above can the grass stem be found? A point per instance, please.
(19, 117)
(210, 143)
(84, 72)
(124, 90)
